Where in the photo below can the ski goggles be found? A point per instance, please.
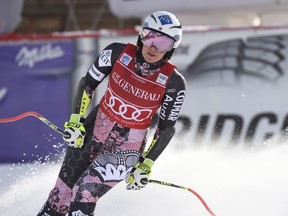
(160, 41)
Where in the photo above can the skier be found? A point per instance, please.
(108, 145)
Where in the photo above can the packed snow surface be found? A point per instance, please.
(233, 181)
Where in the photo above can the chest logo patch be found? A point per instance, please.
(162, 79)
(125, 59)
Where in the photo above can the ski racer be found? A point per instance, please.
(108, 144)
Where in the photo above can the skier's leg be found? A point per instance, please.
(60, 196)
(74, 164)
(123, 147)
(85, 195)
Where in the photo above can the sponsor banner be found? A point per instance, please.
(48, 57)
(34, 77)
(236, 88)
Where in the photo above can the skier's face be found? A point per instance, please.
(151, 54)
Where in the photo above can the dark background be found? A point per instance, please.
(46, 16)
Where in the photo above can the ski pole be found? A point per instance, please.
(185, 188)
(34, 114)
(54, 127)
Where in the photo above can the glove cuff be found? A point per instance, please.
(148, 162)
(145, 166)
(76, 118)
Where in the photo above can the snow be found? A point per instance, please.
(233, 182)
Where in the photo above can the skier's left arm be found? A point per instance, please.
(170, 109)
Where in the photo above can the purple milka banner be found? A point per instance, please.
(46, 57)
(34, 76)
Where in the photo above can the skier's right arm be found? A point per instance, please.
(74, 132)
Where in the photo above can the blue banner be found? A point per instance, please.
(37, 58)
(34, 76)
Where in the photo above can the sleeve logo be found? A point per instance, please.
(96, 74)
(105, 58)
